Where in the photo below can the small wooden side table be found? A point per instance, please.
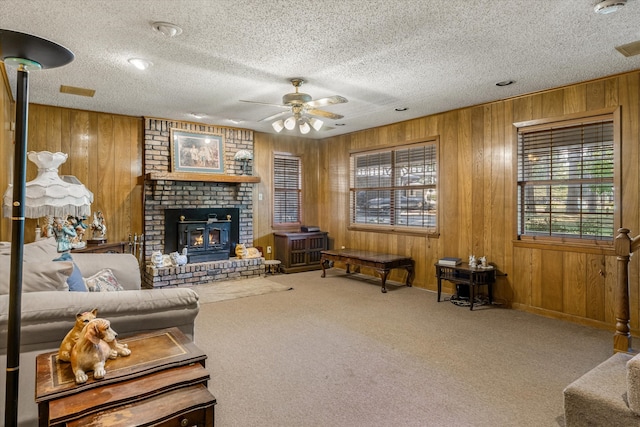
(163, 382)
(464, 274)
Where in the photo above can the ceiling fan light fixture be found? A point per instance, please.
(609, 6)
(290, 123)
(278, 125)
(316, 123)
(304, 128)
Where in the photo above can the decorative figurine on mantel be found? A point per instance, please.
(99, 229)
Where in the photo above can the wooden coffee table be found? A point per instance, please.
(162, 382)
(380, 262)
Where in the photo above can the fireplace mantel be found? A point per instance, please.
(201, 177)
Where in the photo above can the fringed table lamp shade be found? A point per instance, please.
(49, 194)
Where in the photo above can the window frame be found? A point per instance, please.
(276, 191)
(396, 228)
(612, 114)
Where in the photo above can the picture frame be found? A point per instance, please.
(197, 152)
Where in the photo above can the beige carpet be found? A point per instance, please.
(232, 289)
(337, 352)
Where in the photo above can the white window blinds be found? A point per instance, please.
(287, 189)
(566, 180)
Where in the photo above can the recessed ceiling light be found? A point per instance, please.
(401, 109)
(609, 6)
(139, 63)
(166, 28)
(505, 83)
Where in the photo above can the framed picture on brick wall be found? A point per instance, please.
(197, 152)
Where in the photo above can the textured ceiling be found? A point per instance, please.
(426, 55)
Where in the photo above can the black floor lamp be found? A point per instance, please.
(28, 53)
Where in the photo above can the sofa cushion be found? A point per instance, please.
(37, 276)
(42, 250)
(124, 266)
(598, 397)
(48, 316)
(633, 383)
(103, 281)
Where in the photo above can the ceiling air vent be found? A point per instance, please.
(77, 91)
(629, 49)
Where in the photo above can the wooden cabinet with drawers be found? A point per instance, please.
(300, 251)
(162, 383)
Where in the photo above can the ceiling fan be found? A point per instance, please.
(299, 106)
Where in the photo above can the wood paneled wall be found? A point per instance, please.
(477, 201)
(105, 154)
(265, 145)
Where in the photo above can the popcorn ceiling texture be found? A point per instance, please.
(428, 55)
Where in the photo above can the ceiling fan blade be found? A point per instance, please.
(323, 102)
(275, 116)
(266, 103)
(323, 113)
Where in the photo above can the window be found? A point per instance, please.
(566, 176)
(395, 188)
(287, 189)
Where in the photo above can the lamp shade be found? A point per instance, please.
(50, 194)
(243, 155)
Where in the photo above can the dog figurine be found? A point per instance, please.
(64, 353)
(92, 350)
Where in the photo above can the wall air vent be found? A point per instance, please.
(629, 49)
(77, 91)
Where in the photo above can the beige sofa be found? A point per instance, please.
(49, 308)
(607, 395)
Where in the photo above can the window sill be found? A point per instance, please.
(394, 230)
(604, 248)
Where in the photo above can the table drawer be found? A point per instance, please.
(185, 407)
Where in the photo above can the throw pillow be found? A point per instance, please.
(37, 276)
(103, 281)
(42, 250)
(75, 281)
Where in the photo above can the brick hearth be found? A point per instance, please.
(203, 272)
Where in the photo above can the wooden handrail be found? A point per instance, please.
(624, 247)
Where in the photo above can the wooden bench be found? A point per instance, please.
(380, 262)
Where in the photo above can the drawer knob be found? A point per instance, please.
(184, 422)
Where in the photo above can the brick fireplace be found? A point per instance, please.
(167, 193)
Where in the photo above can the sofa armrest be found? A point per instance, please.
(124, 266)
(48, 316)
